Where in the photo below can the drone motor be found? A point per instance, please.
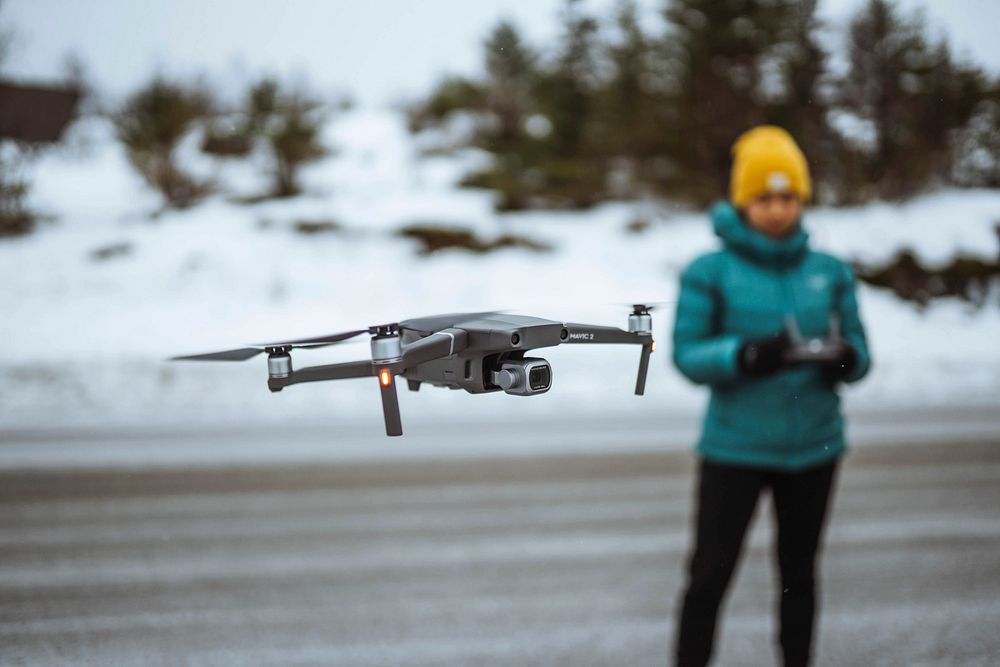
(386, 346)
(279, 362)
(640, 321)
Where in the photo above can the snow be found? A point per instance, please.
(85, 340)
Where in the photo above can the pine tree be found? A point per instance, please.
(976, 147)
(294, 140)
(716, 51)
(950, 95)
(800, 107)
(14, 219)
(510, 77)
(632, 94)
(289, 124)
(6, 37)
(888, 81)
(510, 70)
(570, 173)
(566, 91)
(914, 95)
(880, 45)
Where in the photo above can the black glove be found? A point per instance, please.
(835, 371)
(764, 356)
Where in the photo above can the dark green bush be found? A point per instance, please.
(968, 278)
(151, 124)
(435, 238)
(15, 219)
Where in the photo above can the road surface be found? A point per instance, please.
(569, 559)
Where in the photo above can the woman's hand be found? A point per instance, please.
(838, 369)
(764, 356)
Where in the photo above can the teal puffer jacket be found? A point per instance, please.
(790, 420)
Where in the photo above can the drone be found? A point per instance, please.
(813, 350)
(478, 352)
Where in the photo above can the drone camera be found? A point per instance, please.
(540, 378)
(524, 377)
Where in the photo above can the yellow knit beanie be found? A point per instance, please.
(767, 159)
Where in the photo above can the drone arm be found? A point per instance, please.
(589, 333)
(350, 369)
(435, 346)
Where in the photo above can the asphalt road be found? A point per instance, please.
(561, 560)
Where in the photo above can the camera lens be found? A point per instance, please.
(539, 378)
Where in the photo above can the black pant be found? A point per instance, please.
(727, 496)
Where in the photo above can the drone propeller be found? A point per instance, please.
(319, 341)
(638, 308)
(240, 354)
(244, 353)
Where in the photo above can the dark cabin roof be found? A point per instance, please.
(35, 114)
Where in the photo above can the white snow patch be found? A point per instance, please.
(85, 340)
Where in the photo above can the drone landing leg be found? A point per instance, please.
(390, 404)
(640, 381)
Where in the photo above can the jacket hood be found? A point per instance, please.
(743, 239)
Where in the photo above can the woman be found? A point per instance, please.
(771, 423)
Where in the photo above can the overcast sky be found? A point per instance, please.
(377, 51)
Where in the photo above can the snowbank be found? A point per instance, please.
(84, 339)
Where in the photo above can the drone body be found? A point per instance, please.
(477, 352)
(486, 343)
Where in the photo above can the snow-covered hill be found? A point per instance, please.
(84, 339)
